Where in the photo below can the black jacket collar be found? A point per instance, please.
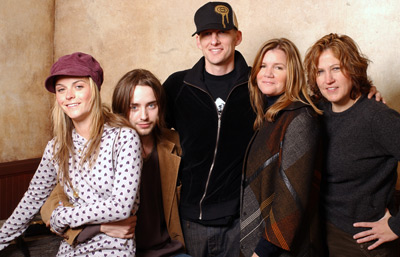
(195, 76)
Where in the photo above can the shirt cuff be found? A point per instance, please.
(87, 233)
(394, 225)
(265, 248)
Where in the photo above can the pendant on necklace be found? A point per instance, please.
(76, 194)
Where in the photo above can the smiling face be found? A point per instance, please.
(143, 114)
(333, 83)
(218, 48)
(73, 94)
(271, 79)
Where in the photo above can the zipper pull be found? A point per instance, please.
(220, 105)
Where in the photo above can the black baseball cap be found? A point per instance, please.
(215, 15)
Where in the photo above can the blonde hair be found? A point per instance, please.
(295, 88)
(63, 126)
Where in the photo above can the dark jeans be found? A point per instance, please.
(211, 241)
(342, 244)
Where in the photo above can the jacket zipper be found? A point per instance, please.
(212, 166)
(216, 143)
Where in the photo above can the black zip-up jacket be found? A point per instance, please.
(213, 145)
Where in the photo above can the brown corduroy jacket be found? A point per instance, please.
(169, 151)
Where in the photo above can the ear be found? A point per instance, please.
(238, 37)
(198, 42)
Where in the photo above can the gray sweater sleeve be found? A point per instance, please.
(386, 130)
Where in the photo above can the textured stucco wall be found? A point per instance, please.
(26, 43)
(156, 35)
(124, 35)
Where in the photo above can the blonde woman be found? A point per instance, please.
(281, 172)
(96, 157)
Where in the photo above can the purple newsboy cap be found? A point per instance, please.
(77, 64)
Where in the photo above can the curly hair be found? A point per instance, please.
(352, 63)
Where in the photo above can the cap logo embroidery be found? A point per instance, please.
(224, 11)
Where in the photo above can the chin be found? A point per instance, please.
(144, 132)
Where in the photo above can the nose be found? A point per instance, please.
(329, 78)
(143, 114)
(214, 38)
(268, 72)
(70, 94)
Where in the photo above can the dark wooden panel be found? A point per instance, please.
(14, 181)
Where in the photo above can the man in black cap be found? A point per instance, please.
(209, 106)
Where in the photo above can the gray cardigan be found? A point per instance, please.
(362, 150)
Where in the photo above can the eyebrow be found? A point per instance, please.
(276, 63)
(73, 83)
(152, 102)
(330, 66)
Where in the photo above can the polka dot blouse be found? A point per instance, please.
(103, 192)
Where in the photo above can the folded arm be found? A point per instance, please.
(123, 197)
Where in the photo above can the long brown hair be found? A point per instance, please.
(352, 63)
(295, 88)
(63, 126)
(125, 87)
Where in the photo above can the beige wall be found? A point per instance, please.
(156, 35)
(26, 53)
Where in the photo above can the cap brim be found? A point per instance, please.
(50, 81)
(212, 27)
(49, 84)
